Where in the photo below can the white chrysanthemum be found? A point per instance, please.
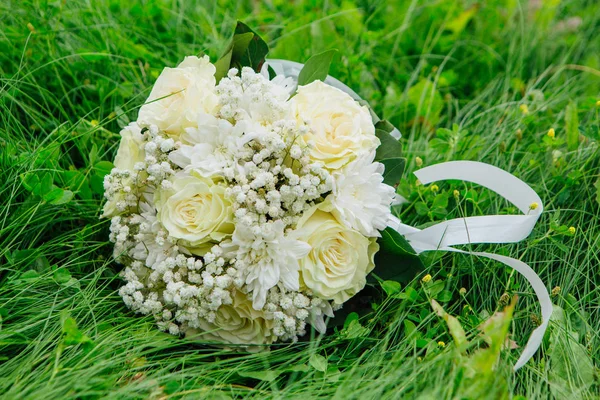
(360, 197)
(210, 147)
(266, 257)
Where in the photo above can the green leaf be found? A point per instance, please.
(391, 287)
(350, 318)
(458, 24)
(246, 49)
(426, 100)
(62, 275)
(265, 376)
(272, 73)
(316, 68)
(444, 296)
(396, 260)
(298, 368)
(58, 196)
(421, 208)
(254, 54)
(441, 200)
(410, 328)
(410, 294)
(389, 148)
(435, 288)
(72, 334)
(45, 184)
(597, 185)
(572, 126)
(172, 387)
(393, 242)
(239, 44)
(456, 330)
(103, 168)
(318, 362)
(355, 330)
(30, 275)
(30, 181)
(76, 181)
(394, 168)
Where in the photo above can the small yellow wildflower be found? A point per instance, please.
(524, 109)
(418, 183)
(30, 27)
(456, 194)
(419, 359)
(533, 206)
(435, 188)
(555, 291)
(572, 230)
(426, 278)
(462, 291)
(94, 122)
(598, 103)
(551, 134)
(441, 344)
(519, 134)
(418, 161)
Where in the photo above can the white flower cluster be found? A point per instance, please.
(241, 212)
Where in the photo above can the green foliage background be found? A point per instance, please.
(461, 80)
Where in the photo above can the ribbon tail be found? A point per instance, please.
(535, 340)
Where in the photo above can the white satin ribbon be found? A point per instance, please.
(470, 230)
(487, 229)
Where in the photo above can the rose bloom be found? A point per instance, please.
(340, 259)
(196, 210)
(130, 152)
(237, 323)
(179, 94)
(340, 129)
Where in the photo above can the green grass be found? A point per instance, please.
(80, 70)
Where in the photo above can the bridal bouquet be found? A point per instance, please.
(245, 207)
(253, 197)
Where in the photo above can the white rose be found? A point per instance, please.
(237, 323)
(340, 129)
(179, 94)
(340, 258)
(131, 151)
(196, 210)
